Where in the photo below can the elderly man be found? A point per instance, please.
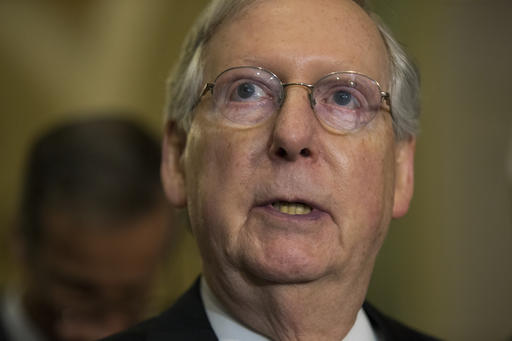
(290, 140)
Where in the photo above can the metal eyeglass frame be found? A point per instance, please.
(384, 95)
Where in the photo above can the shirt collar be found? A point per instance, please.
(228, 329)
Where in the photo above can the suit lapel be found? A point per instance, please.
(389, 329)
(185, 320)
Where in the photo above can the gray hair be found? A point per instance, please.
(186, 80)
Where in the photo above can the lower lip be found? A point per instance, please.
(315, 214)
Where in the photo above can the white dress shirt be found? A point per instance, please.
(228, 329)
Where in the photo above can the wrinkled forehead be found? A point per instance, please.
(300, 38)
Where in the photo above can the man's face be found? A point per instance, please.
(91, 281)
(354, 183)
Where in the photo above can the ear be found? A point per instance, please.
(404, 176)
(171, 170)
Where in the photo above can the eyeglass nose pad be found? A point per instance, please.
(312, 101)
(281, 99)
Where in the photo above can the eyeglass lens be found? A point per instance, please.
(345, 101)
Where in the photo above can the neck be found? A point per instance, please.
(325, 309)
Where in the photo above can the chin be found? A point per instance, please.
(285, 269)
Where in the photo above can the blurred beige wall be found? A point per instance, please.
(446, 267)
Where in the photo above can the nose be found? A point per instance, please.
(293, 131)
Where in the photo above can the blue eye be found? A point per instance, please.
(245, 90)
(342, 98)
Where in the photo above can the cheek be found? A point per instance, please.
(373, 181)
(367, 190)
(221, 165)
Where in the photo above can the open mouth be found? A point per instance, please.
(292, 208)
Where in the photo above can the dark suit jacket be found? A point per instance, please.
(3, 333)
(186, 320)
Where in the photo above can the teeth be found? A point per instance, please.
(292, 208)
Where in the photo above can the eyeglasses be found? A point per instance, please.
(345, 101)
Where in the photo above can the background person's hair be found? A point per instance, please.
(98, 169)
(186, 80)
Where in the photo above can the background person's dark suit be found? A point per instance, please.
(3, 336)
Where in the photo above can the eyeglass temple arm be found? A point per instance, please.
(207, 87)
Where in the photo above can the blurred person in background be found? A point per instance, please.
(93, 227)
(290, 139)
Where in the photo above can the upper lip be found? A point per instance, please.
(298, 186)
